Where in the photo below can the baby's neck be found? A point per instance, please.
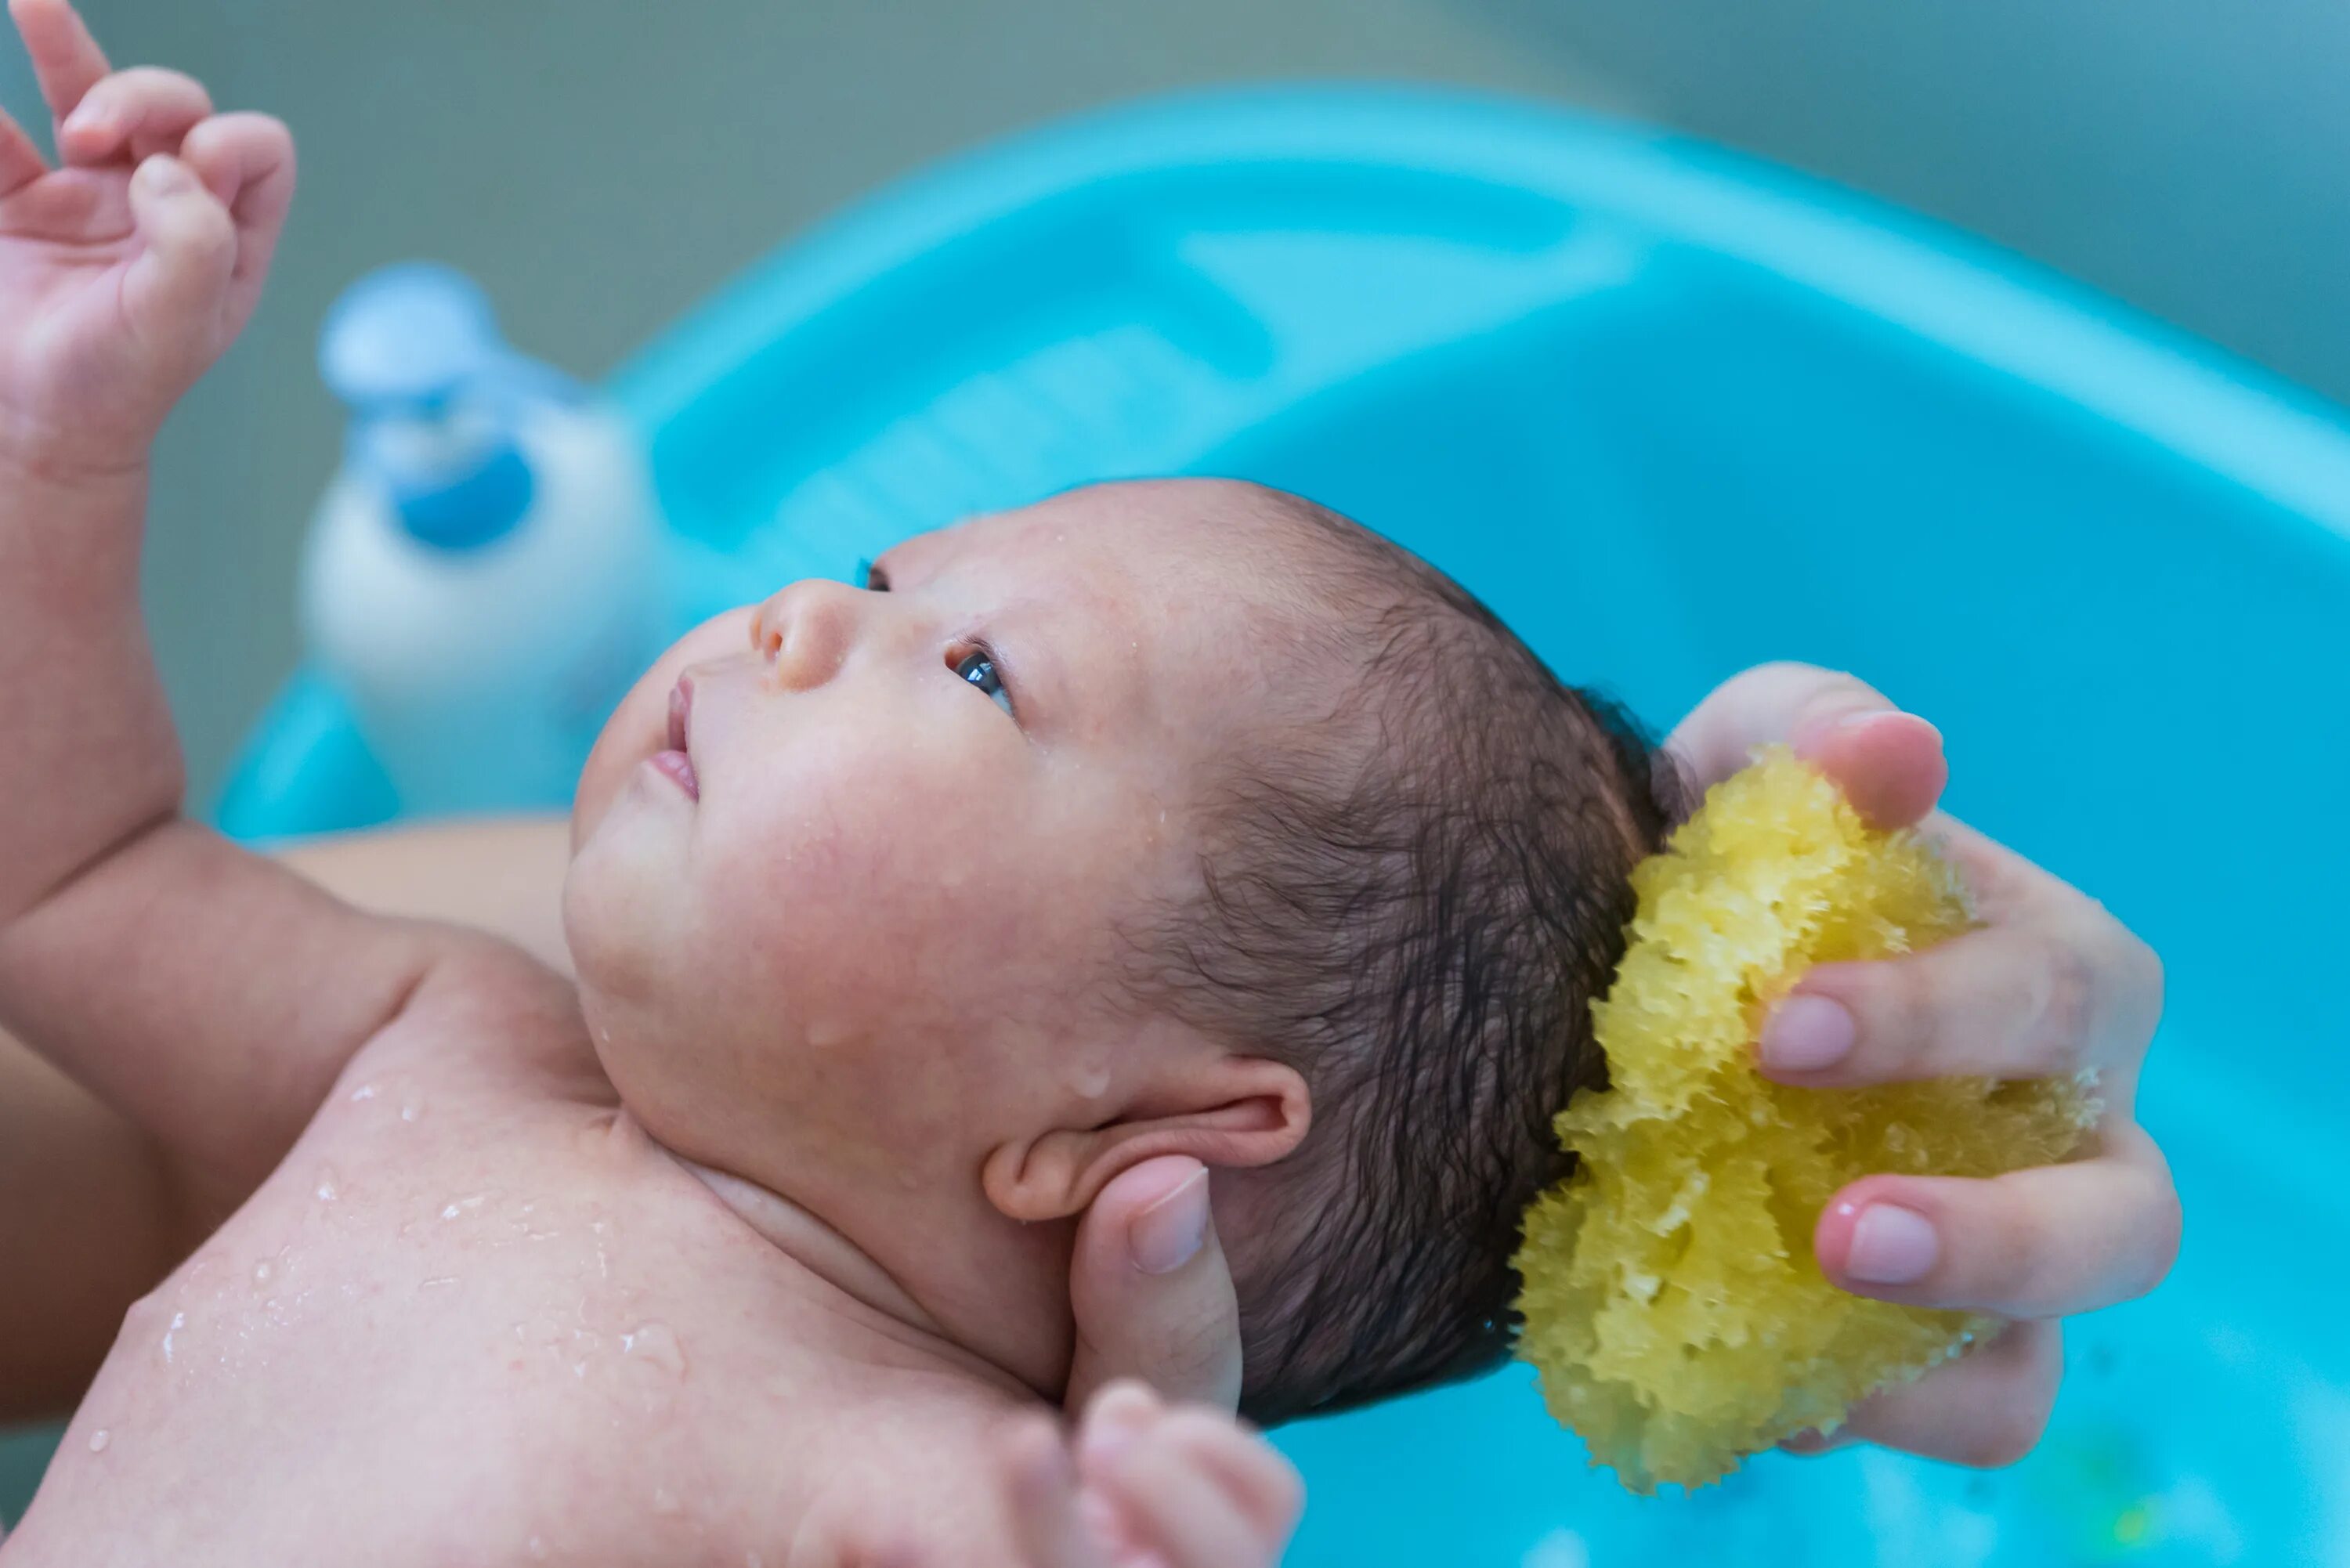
(875, 1299)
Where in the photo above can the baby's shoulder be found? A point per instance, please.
(921, 1468)
(488, 1013)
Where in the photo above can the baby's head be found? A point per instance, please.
(1171, 817)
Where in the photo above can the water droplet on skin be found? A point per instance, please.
(579, 1370)
(436, 1283)
(664, 1501)
(1092, 1081)
(364, 1092)
(179, 1321)
(327, 1192)
(98, 1441)
(655, 1345)
(465, 1206)
(411, 1109)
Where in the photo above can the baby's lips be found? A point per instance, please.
(681, 713)
(678, 768)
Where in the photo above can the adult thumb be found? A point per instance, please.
(1150, 1291)
(1888, 764)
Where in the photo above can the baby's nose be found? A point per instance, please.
(806, 632)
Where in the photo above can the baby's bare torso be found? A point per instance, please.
(475, 1316)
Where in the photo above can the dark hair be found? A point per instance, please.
(1414, 900)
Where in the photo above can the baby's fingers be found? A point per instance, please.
(134, 113)
(246, 160)
(21, 162)
(175, 287)
(2040, 1243)
(1987, 1408)
(66, 60)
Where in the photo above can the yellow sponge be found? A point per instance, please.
(1672, 1302)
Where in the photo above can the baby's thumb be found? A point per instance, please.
(1888, 764)
(173, 291)
(1150, 1290)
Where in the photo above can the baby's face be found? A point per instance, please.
(874, 918)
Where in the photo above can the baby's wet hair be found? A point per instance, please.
(1413, 896)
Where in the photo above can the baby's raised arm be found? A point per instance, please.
(208, 995)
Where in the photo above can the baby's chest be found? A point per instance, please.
(456, 1337)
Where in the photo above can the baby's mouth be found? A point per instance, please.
(676, 763)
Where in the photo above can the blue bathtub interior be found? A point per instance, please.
(1672, 413)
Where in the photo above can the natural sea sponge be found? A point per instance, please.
(1671, 1303)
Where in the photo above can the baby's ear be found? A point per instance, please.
(1232, 1111)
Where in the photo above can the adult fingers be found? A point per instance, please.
(137, 112)
(21, 162)
(67, 61)
(2064, 989)
(1176, 1507)
(1043, 1489)
(1888, 764)
(2040, 1243)
(1987, 1408)
(1264, 1485)
(1150, 1290)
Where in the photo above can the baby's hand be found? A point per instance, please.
(1144, 1485)
(127, 271)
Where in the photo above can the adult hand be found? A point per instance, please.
(1144, 1484)
(1150, 1291)
(2052, 983)
(1138, 1483)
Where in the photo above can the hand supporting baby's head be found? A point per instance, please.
(1176, 817)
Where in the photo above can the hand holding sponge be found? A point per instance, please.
(1671, 1303)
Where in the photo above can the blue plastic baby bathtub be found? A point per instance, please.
(1672, 413)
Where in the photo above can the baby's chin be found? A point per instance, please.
(621, 892)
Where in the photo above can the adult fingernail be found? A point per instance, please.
(1111, 1429)
(1101, 1445)
(1168, 1234)
(1892, 1246)
(1805, 1033)
(164, 175)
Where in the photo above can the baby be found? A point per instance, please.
(1158, 818)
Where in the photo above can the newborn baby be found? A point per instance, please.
(1162, 819)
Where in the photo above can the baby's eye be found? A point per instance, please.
(978, 667)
